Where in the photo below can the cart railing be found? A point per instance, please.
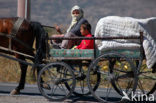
(140, 38)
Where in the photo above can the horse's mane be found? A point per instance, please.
(41, 36)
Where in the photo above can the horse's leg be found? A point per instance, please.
(22, 78)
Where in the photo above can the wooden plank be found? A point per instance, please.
(13, 51)
(89, 54)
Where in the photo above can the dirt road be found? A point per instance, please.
(5, 98)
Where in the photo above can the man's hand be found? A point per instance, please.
(58, 29)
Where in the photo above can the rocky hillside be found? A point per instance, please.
(50, 12)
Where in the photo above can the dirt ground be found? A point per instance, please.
(32, 99)
(22, 99)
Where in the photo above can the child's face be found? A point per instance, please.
(83, 31)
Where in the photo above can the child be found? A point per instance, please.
(85, 30)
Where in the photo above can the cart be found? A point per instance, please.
(107, 75)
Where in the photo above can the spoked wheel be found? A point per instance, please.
(52, 79)
(81, 81)
(146, 79)
(117, 78)
(124, 73)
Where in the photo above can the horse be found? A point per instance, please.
(26, 32)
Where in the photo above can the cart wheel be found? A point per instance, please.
(81, 81)
(116, 79)
(52, 79)
(146, 79)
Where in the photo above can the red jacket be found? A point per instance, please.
(86, 44)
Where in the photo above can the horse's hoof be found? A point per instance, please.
(45, 86)
(14, 92)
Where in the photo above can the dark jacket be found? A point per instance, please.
(76, 28)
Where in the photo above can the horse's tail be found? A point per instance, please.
(41, 37)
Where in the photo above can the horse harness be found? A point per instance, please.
(13, 34)
(14, 30)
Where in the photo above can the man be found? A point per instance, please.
(73, 30)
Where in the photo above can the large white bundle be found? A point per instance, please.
(127, 26)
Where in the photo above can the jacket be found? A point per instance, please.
(86, 44)
(76, 28)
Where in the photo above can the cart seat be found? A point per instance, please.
(88, 54)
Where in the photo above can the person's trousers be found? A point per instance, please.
(66, 44)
